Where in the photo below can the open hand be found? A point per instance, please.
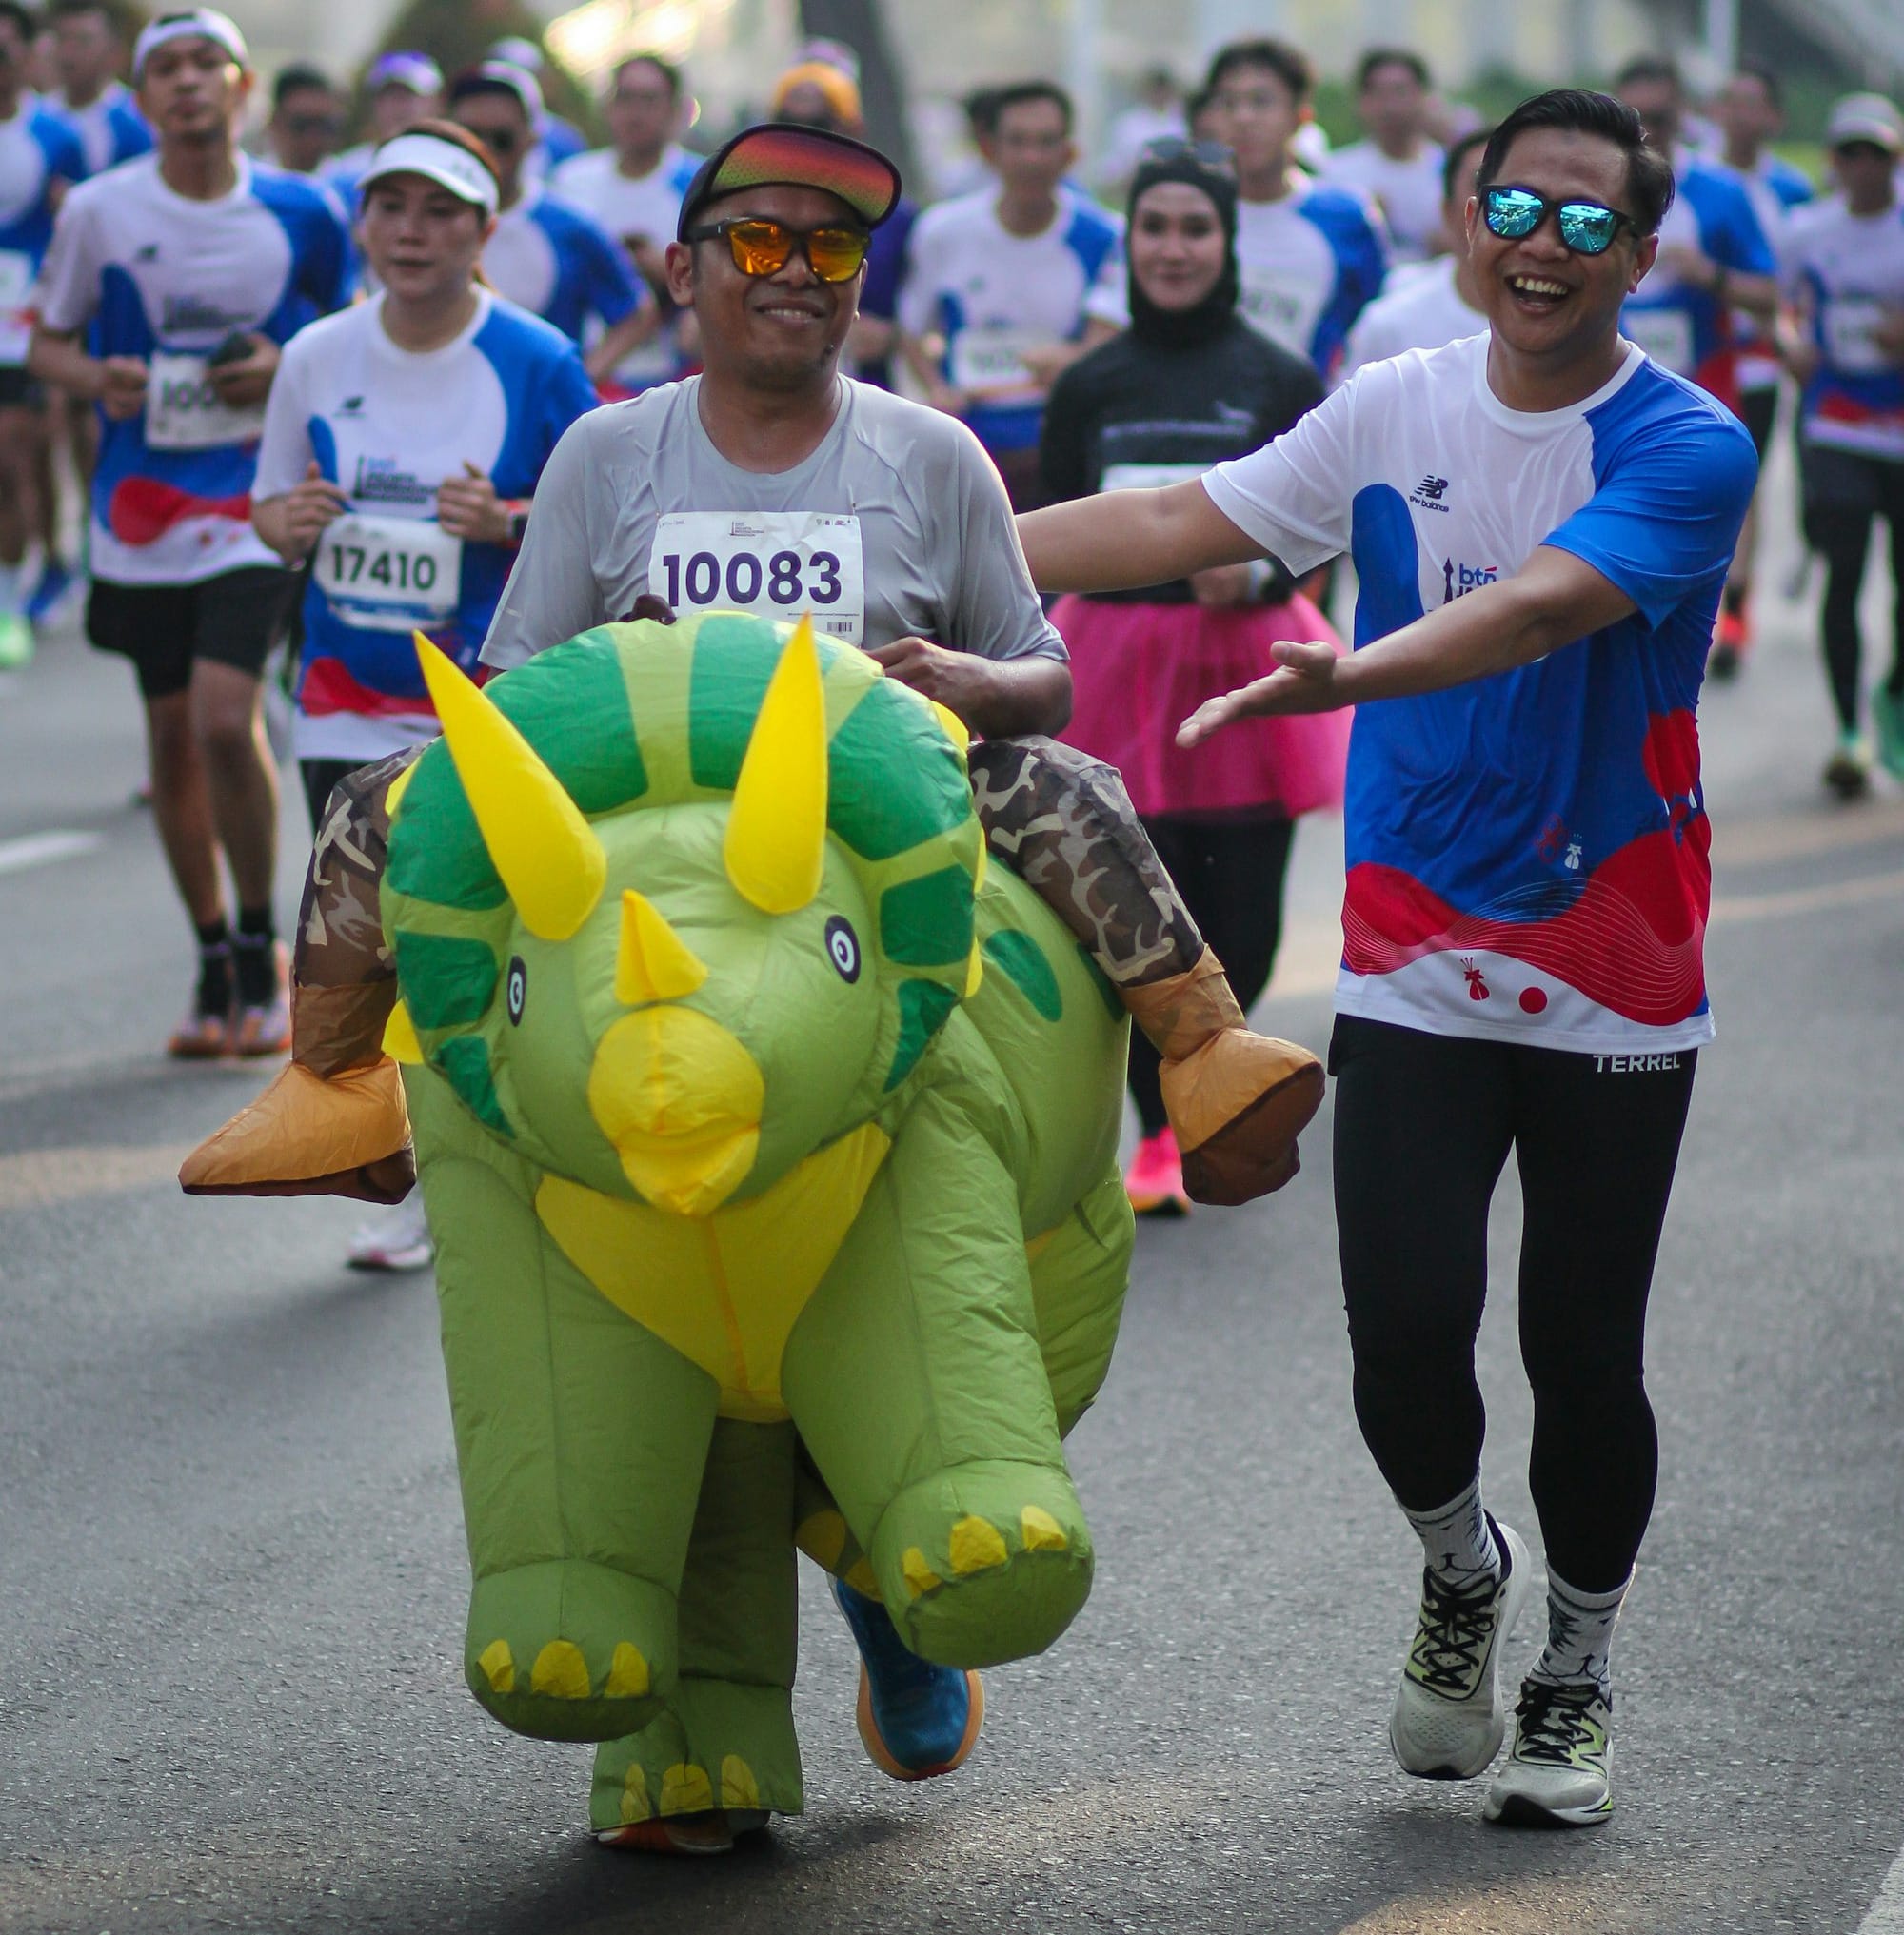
(1304, 681)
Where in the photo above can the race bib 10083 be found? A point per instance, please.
(778, 563)
(183, 412)
(388, 574)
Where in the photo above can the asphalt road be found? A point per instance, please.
(232, 1577)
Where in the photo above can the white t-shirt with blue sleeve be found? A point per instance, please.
(1527, 853)
(392, 425)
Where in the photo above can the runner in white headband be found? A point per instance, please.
(205, 22)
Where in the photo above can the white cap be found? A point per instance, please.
(1865, 117)
(520, 83)
(518, 53)
(196, 23)
(437, 160)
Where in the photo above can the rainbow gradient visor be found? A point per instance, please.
(782, 154)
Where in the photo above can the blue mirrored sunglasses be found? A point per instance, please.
(1586, 227)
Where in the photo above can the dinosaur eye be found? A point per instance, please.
(842, 948)
(517, 988)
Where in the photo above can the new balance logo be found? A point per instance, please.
(1428, 493)
(149, 253)
(352, 406)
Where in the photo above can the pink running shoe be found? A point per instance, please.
(1154, 1182)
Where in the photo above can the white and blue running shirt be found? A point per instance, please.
(111, 128)
(993, 295)
(168, 279)
(36, 151)
(1527, 853)
(558, 263)
(390, 425)
(625, 206)
(1308, 265)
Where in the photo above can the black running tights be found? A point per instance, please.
(1845, 493)
(1423, 1126)
(1230, 875)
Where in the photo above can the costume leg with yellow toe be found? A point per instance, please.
(1237, 1099)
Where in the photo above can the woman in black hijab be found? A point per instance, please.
(1187, 386)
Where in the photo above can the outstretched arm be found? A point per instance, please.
(1128, 539)
(1554, 598)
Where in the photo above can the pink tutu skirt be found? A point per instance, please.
(1141, 670)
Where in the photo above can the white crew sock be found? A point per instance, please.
(1456, 1540)
(1579, 1635)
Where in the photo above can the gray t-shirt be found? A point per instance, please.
(896, 526)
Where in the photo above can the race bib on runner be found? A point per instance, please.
(388, 574)
(778, 563)
(1851, 326)
(1284, 308)
(182, 412)
(1148, 476)
(990, 363)
(17, 285)
(1666, 335)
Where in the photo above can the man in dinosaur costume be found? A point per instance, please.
(924, 510)
(769, 1138)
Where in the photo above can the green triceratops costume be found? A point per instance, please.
(769, 1143)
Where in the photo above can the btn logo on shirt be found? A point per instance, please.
(1458, 580)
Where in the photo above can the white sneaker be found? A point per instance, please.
(1556, 1773)
(1450, 1717)
(395, 1238)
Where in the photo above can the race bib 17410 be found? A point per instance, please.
(183, 412)
(388, 574)
(778, 563)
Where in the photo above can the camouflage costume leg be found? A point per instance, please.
(334, 1122)
(1064, 823)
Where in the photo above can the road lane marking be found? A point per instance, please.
(43, 849)
(36, 1178)
(1887, 1912)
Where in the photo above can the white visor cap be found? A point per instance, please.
(436, 160)
(198, 23)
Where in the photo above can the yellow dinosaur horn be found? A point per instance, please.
(777, 830)
(547, 852)
(654, 964)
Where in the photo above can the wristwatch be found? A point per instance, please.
(518, 523)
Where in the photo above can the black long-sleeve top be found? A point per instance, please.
(1132, 405)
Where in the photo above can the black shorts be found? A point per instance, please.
(1759, 411)
(233, 620)
(20, 391)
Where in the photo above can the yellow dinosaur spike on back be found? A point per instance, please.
(777, 829)
(547, 855)
(654, 963)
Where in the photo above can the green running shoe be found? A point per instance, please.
(16, 641)
(1556, 1772)
(1449, 1717)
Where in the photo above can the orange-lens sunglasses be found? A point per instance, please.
(761, 247)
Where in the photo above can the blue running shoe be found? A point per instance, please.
(915, 1720)
(55, 581)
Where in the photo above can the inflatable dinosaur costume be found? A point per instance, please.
(769, 1141)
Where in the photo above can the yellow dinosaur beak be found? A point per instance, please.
(679, 1097)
